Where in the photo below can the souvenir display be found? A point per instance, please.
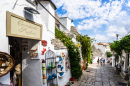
(44, 79)
(49, 66)
(53, 65)
(54, 75)
(50, 77)
(24, 45)
(43, 63)
(6, 63)
(44, 71)
(34, 52)
(44, 49)
(63, 55)
(44, 43)
(67, 63)
(60, 66)
(51, 73)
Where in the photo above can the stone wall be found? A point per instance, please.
(57, 25)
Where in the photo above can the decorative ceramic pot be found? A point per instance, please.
(44, 71)
(44, 81)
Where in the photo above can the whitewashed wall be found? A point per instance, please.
(31, 75)
(62, 81)
(67, 23)
(47, 18)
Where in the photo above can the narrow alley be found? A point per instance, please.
(97, 75)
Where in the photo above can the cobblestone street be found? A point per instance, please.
(100, 76)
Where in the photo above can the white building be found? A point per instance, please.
(21, 32)
(99, 51)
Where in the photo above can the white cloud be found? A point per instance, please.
(119, 26)
(113, 30)
(91, 24)
(98, 13)
(76, 8)
(95, 14)
(128, 4)
(99, 37)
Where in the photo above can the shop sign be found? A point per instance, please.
(6, 63)
(21, 27)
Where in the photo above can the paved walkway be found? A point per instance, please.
(100, 76)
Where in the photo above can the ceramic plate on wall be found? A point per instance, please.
(6, 63)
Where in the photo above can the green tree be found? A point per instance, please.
(125, 43)
(117, 48)
(108, 54)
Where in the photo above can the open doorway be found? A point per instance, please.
(16, 53)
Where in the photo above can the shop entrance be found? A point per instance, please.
(23, 51)
(16, 52)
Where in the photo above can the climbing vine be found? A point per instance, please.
(73, 51)
(86, 47)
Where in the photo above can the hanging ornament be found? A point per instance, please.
(44, 49)
(44, 43)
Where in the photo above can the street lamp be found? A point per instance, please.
(117, 36)
(114, 52)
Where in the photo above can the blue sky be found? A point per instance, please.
(99, 19)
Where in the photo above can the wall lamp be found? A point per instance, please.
(31, 10)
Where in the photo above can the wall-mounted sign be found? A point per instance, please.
(6, 63)
(20, 27)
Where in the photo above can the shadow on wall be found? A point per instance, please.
(31, 69)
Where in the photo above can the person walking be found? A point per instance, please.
(92, 61)
(104, 61)
(101, 60)
(98, 61)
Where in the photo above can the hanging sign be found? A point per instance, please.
(18, 26)
(6, 63)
